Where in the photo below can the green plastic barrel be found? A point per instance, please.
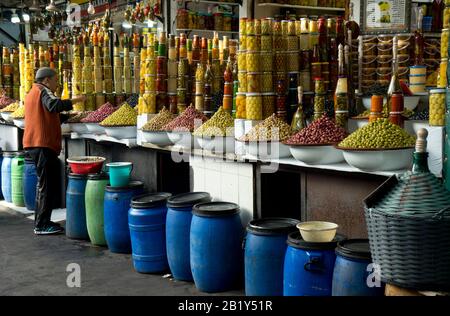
(94, 196)
(17, 167)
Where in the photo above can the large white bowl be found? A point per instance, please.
(410, 101)
(79, 128)
(65, 128)
(95, 128)
(158, 138)
(379, 159)
(7, 116)
(317, 154)
(183, 139)
(217, 144)
(20, 123)
(268, 150)
(317, 231)
(121, 132)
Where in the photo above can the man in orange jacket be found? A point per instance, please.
(42, 141)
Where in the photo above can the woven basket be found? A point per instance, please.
(411, 246)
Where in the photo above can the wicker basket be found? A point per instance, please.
(409, 242)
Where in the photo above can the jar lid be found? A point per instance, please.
(241, 93)
(133, 185)
(214, 209)
(272, 226)
(150, 200)
(188, 199)
(78, 176)
(418, 66)
(253, 94)
(98, 176)
(269, 94)
(354, 249)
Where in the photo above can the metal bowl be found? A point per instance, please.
(217, 144)
(158, 138)
(183, 139)
(317, 154)
(95, 128)
(121, 132)
(379, 159)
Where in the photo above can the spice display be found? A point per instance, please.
(78, 117)
(220, 124)
(437, 107)
(186, 121)
(271, 129)
(19, 113)
(124, 116)
(321, 131)
(380, 134)
(157, 122)
(100, 114)
(11, 108)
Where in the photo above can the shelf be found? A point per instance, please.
(300, 7)
(129, 142)
(215, 2)
(208, 31)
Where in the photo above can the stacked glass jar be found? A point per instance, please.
(148, 99)
(172, 73)
(87, 78)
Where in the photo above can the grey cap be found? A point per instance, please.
(45, 72)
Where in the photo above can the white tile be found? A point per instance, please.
(246, 199)
(199, 178)
(230, 167)
(246, 170)
(213, 184)
(230, 188)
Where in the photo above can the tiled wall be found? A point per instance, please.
(225, 181)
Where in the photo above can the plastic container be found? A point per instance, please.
(116, 205)
(178, 228)
(75, 204)
(30, 184)
(352, 274)
(17, 167)
(216, 246)
(6, 175)
(265, 248)
(147, 223)
(94, 202)
(308, 267)
(119, 173)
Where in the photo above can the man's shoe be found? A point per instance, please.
(54, 224)
(48, 230)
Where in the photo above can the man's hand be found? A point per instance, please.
(78, 99)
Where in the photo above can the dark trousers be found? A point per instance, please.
(48, 170)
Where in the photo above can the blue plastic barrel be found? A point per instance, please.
(178, 229)
(147, 222)
(353, 274)
(308, 267)
(6, 175)
(30, 184)
(216, 246)
(116, 206)
(265, 248)
(1, 161)
(76, 211)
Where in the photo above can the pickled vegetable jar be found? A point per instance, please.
(253, 43)
(266, 82)
(268, 100)
(293, 63)
(253, 61)
(253, 104)
(444, 43)
(266, 61)
(319, 103)
(242, 60)
(254, 82)
(242, 77)
(243, 26)
(240, 105)
(266, 43)
(266, 26)
(437, 107)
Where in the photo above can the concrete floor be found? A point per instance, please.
(36, 265)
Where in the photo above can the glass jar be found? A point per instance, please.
(253, 61)
(319, 103)
(266, 61)
(242, 60)
(279, 43)
(293, 63)
(442, 82)
(161, 65)
(266, 82)
(257, 27)
(243, 42)
(192, 20)
(173, 103)
(218, 21)
(182, 19)
(243, 26)
(253, 82)
(292, 43)
(266, 26)
(240, 105)
(253, 104)
(281, 107)
(242, 77)
(266, 43)
(319, 86)
(268, 100)
(305, 80)
(228, 103)
(227, 19)
(250, 27)
(253, 43)
(444, 43)
(280, 61)
(437, 107)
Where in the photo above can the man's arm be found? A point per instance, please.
(54, 104)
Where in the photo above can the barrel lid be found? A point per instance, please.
(354, 249)
(98, 176)
(272, 226)
(133, 185)
(212, 209)
(188, 199)
(150, 200)
(20, 154)
(295, 240)
(77, 176)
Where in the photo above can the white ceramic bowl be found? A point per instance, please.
(79, 128)
(317, 154)
(7, 116)
(65, 128)
(410, 101)
(121, 132)
(268, 150)
(20, 123)
(183, 139)
(317, 231)
(217, 144)
(158, 138)
(95, 128)
(379, 159)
